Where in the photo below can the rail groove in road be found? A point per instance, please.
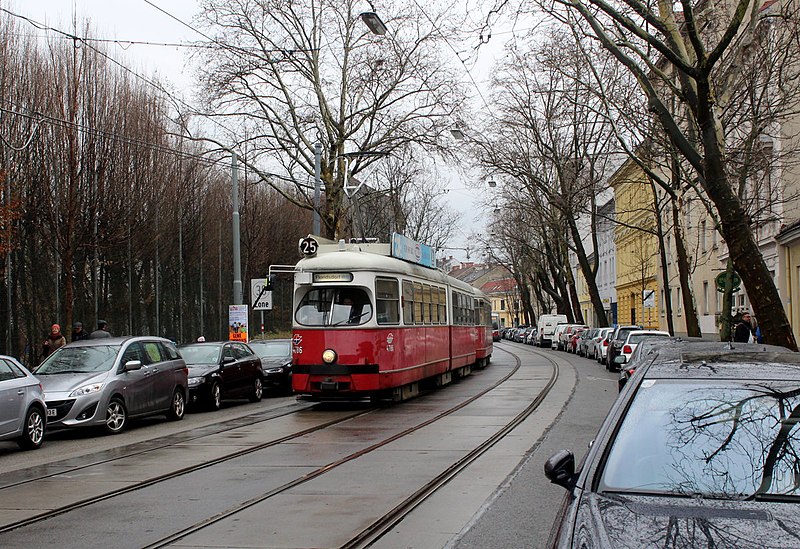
(197, 527)
(172, 474)
(385, 523)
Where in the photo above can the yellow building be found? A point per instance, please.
(637, 247)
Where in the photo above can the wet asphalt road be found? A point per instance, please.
(524, 509)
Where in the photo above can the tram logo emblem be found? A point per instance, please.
(389, 340)
(297, 339)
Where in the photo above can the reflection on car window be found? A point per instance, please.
(334, 307)
(733, 440)
(153, 351)
(5, 371)
(79, 360)
(200, 354)
(272, 349)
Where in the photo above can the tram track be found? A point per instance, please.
(170, 475)
(380, 526)
(363, 538)
(384, 524)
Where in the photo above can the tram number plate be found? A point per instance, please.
(329, 385)
(52, 412)
(308, 246)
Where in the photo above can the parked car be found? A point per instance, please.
(572, 341)
(632, 340)
(566, 336)
(594, 347)
(582, 344)
(105, 382)
(546, 327)
(22, 409)
(697, 451)
(221, 370)
(615, 344)
(276, 359)
(559, 329)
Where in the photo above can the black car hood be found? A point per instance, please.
(663, 522)
(200, 370)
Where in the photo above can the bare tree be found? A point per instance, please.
(298, 73)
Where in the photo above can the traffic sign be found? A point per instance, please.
(735, 279)
(260, 294)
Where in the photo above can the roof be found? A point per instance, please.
(722, 360)
(504, 285)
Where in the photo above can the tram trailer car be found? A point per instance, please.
(370, 325)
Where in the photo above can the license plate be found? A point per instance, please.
(52, 412)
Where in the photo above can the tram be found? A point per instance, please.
(378, 320)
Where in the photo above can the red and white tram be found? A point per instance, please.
(369, 324)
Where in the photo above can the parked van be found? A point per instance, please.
(547, 326)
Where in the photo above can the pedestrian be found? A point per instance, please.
(201, 339)
(78, 333)
(757, 333)
(101, 331)
(54, 340)
(744, 332)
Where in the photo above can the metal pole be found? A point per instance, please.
(96, 260)
(202, 258)
(317, 185)
(9, 289)
(237, 262)
(130, 282)
(180, 279)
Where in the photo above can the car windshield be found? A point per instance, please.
(79, 360)
(334, 307)
(735, 440)
(200, 354)
(272, 349)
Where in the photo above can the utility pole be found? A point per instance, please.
(237, 263)
(317, 184)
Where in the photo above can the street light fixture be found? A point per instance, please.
(457, 134)
(492, 183)
(373, 21)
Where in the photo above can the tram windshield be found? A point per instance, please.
(334, 307)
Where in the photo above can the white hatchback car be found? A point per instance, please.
(632, 340)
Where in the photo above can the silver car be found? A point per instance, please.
(22, 408)
(107, 381)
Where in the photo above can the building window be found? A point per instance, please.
(705, 295)
(702, 236)
(502, 304)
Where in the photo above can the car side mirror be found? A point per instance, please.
(560, 469)
(619, 359)
(133, 365)
(228, 359)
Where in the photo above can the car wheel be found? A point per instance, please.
(178, 407)
(33, 430)
(257, 391)
(215, 397)
(116, 416)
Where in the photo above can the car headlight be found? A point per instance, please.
(86, 390)
(195, 381)
(277, 370)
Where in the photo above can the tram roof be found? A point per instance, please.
(360, 260)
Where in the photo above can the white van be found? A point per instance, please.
(547, 326)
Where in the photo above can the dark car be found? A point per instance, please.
(700, 450)
(276, 358)
(222, 370)
(615, 345)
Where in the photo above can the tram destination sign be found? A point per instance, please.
(408, 250)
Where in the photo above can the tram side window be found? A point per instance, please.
(426, 304)
(418, 302)
(435, 305)
(387, 300)
(458, 310)
(408, 303)
(442, 306)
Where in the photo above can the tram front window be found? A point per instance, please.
(334, 307)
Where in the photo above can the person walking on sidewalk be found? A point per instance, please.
(54, 340)
(101, 331)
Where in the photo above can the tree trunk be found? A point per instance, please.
(588, 275)
(682, 259)
(743, 250)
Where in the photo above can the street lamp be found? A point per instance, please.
(371, 20)
(457, 134)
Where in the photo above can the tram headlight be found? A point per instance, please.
(328, 356)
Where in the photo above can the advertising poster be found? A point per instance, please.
(237, 323)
